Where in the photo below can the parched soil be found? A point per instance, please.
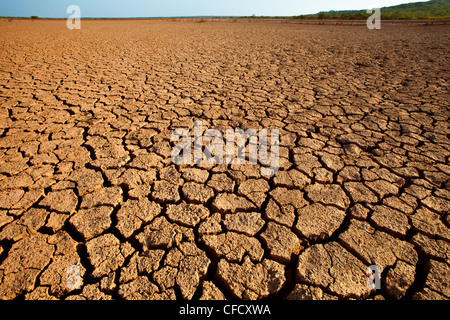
(92, 207)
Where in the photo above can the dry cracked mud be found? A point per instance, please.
(92, 207)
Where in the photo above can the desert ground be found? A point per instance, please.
(92, 206)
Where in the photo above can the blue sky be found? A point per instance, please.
(167, 8)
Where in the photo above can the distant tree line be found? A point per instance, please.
(434, 9)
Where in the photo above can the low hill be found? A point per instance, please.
(434, 9)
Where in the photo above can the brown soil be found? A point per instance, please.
(86, 177)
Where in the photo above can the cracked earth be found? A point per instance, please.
(86, 177)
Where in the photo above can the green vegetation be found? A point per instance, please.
(34, 17)
(434, 9)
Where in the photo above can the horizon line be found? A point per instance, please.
(156, 17)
